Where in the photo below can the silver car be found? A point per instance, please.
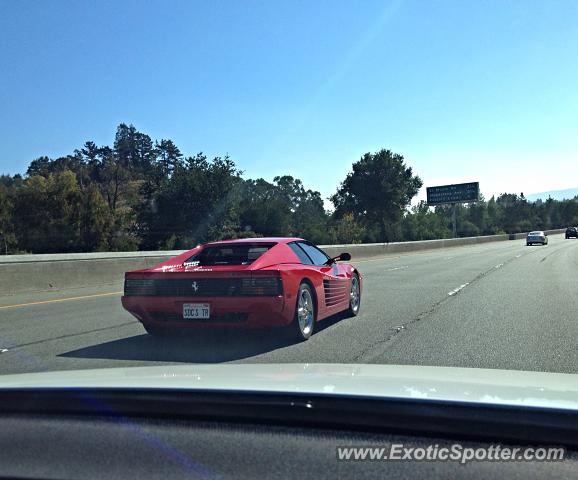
(537, 237)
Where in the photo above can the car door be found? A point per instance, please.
(335, 282)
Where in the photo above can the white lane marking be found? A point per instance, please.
(499, 265)
(397, 268)
(3, 350)
(456, 290)
(519, 255)
(449, 258)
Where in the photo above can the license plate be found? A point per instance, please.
(196, 311)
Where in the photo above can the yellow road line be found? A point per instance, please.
(68, 299)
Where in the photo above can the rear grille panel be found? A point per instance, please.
(204, 287)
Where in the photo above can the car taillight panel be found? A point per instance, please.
(138, 286)
(255, 285)
(261, 286)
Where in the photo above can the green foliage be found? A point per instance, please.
(48, 213)
(308, 218)
(95, 220)
(197, 198)
(509, 213)
(144, 194)
(378, 191)
(422, 223)
(263, 208)
(7, 236)
(346, 230)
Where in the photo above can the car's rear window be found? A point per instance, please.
(233, 254)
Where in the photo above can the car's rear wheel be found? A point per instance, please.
(304, 321)
(528, 244)
(354, 296)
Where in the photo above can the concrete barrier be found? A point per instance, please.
(22, 273)
(28, 273)
(368, 250)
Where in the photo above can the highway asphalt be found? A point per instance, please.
(498, 305)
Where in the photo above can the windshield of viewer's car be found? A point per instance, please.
(179, 181)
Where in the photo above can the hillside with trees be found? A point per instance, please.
(148, 195)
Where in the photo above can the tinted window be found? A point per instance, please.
(238, 254)
(318, 257)
(305, 260)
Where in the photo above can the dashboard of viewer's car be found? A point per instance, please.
(135, 433)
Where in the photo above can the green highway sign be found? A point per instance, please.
(458, 193)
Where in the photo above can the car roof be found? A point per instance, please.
(536, 232)
(257, 240)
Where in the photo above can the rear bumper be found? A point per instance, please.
(226, 312)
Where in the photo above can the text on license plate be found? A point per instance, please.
(193, 311)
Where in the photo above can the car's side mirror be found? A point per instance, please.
(344, 257)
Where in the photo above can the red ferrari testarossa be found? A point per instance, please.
(247, 283)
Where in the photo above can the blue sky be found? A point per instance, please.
(466, 90)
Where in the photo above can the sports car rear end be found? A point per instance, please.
(219, 285)
(208, 299)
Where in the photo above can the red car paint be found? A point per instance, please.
(242, 311)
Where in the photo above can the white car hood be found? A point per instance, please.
(481, 386)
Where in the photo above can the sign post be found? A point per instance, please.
(453, 194)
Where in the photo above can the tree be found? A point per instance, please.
(421, 223)
(7, 238)
(308, 216)
(42, 166)
(264, 209)
(196, 199)
(95, 220)
(168, 157)
(378, 191)
(569, 212)
(48, 213)
(145, 194)
(494, 214)
(515, 210)
(133, 149)
(346, 230)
